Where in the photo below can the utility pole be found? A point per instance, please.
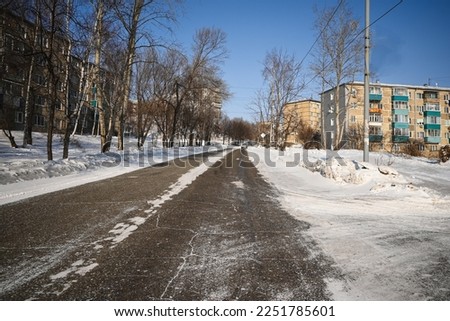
(366, 84)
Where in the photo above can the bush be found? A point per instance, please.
(413, 147)
(312, 145)
(444, 153)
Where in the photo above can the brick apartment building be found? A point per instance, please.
(398, 114)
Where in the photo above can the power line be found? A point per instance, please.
(321, 32)
(356, 37)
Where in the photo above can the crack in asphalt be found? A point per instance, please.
(181, 267)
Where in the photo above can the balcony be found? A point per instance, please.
(400, 94)
(375, 120)
(433, 139)
(400, 139)
(400, 98)
(398, 111)
(375, 97)
(375, 138)
(431, 113)
(400, 125)
(431, 96)
(375, 110)
(432, 126)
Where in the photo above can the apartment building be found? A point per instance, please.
(301, 113)
(25, 76)
(398, 114)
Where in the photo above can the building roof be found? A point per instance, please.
(422, 87)
(304, 100)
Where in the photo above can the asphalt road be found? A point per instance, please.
(141, 236)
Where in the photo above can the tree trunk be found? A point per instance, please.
(69, 114)
(96, 86)
(50, 128)
(131, 51)
(29, 108)
(82, 92)
(10, 136)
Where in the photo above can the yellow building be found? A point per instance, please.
(301, 114)
(398, 114)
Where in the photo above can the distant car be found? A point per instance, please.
(235, 143)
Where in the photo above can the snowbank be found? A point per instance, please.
(384, 223)
(25, 172)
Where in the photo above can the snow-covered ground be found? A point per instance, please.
(386, 224)
(25, 172)
(388, 233)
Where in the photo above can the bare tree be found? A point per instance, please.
(145, 97)
(51, 17)
(165, 67)
(188, 89)
(241, 130)
(338, 57)
(355, 135)
(133, 18)
(283, 84)
(201, 83)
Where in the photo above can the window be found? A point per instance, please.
(375, 130)
(39, 120)
(446, 97)
(400, 92)
(433, 133)
(431, 95)
(58, 105)
(375, 90)
(40, 80)
(19, 46)
(400, 105)
(41, 60)
(432, 107)
(19, 117)
(419, 95)
(420, 134)
(401, 119)
(8, 42)
(40, 101)
(419, 109)
(332, 122)
(16, 89)
(433, 120)
(353, 119)
(18, 102)
(401, 132)
(375, 118)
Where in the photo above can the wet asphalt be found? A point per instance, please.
(223, 237)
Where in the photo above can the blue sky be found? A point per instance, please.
(411, 45)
